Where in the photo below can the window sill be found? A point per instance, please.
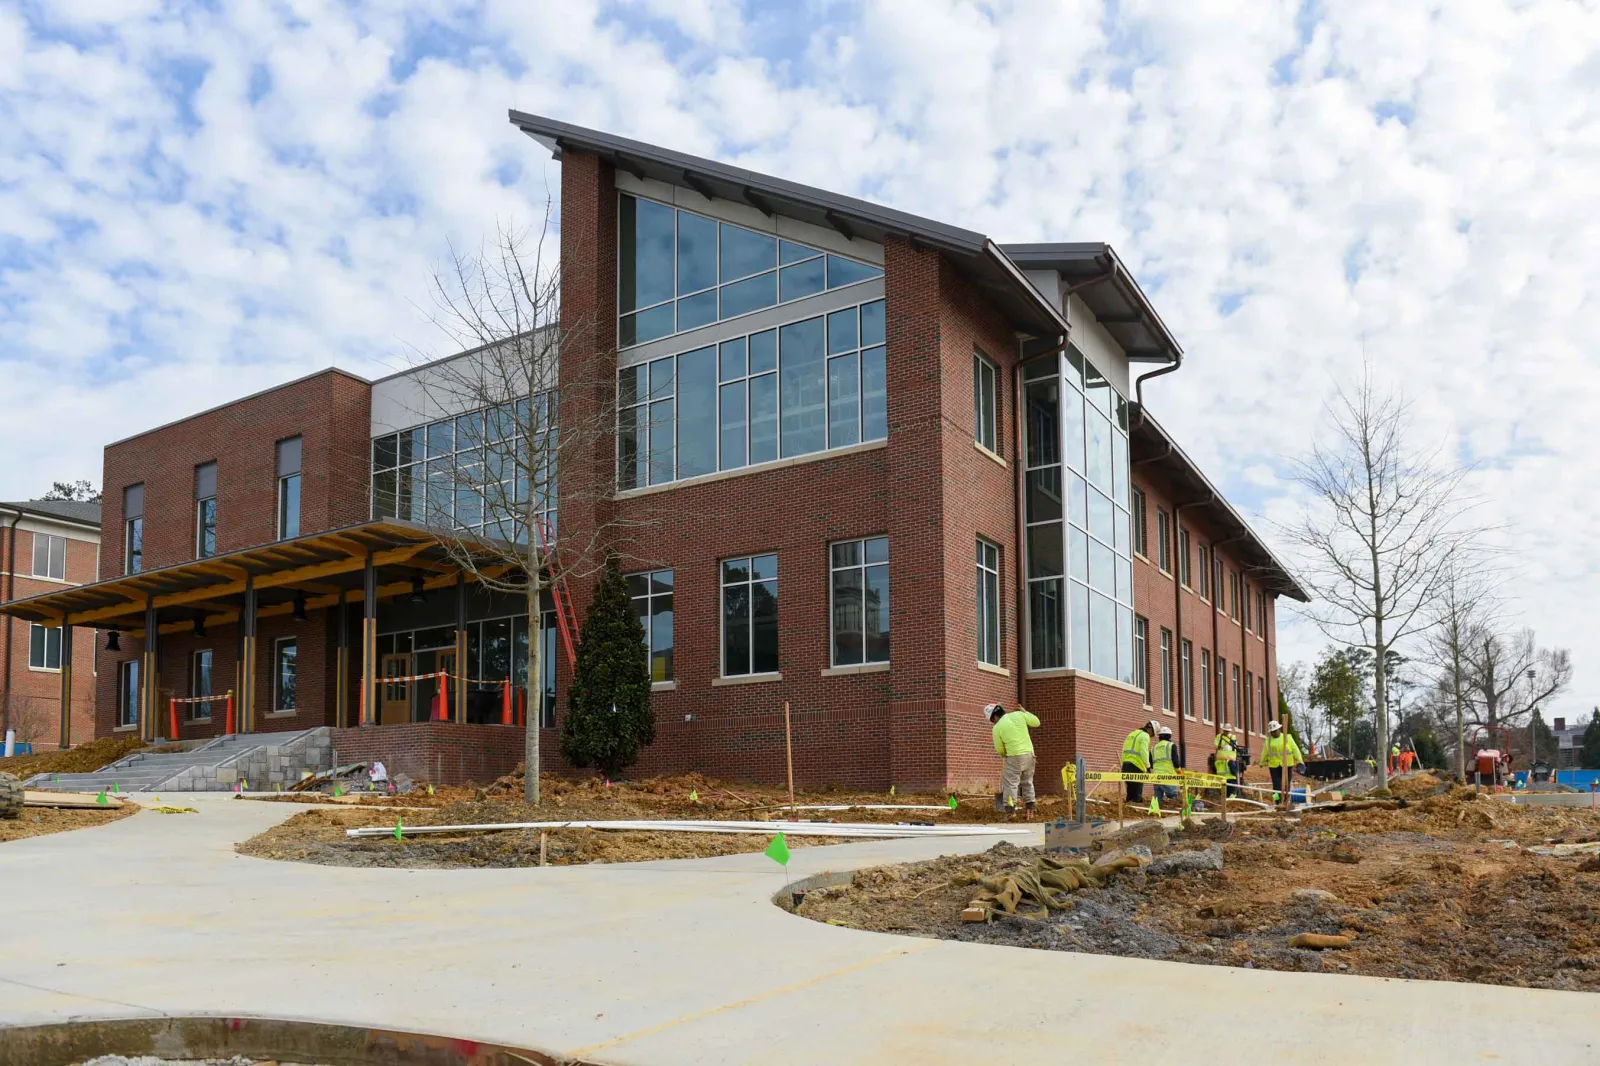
(282, 714)
(1168, 713)
(1068, 671)
(44, 669)
(747, 679)
(664, 686)
(124, 728)
(758, 468)
(856, 668)
(996, 456)
(990, 668)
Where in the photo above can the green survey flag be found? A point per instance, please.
(101, 799)
(430, 790)
(337, 791)
(891, 790)
(114, 789)
(778, 851)
(1155, 807)
(398, 834)
(694, 795)
(952, 801)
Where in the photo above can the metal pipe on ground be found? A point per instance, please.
(866, 830)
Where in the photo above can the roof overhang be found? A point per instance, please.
(980, 260)
(319, 570)
(1099, 279)
(21, 510)
(1151, 445)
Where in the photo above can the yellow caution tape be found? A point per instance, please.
(1069, 777)
(174, 810)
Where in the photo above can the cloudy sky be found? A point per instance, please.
(201, 199)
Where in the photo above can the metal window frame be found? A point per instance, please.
(723, 585)
(1166, 669)
(199, 712)
(833, 646)
(649, 598)
(982, 364)
(277, 674)
(984, 544)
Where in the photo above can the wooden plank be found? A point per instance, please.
(68, 800)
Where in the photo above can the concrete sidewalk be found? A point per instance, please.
(669, 962)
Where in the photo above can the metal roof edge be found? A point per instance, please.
(1045, 253)
(21, 508)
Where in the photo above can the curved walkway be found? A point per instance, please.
(668, 962)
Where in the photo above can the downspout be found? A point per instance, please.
(11, 594)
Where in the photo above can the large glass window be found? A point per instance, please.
(44, 647)
(474, 471)
(133, 529)
(205, 510)
(678, 271)
(285, 653)
(988, 603)
(199, 684)
(802, 388)
(652, 602)
(1079, 536)
(49, 556)
(128, 693)
(860, 591)
(288, 488)
(750, 616)
(984, 402)
(1141, 653)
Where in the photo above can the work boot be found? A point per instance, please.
(1028, 813)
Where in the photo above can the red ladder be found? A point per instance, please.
(558, 592)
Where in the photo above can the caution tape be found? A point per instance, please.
(1069, 777)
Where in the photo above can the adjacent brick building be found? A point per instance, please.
(868, 466)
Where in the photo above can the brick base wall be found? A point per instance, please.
(441, 753)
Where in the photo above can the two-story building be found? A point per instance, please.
(46, 546)
(873, 466)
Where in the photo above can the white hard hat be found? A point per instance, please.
(1152, 725)
(991, 710)
(1273, 727)
(1165, 731)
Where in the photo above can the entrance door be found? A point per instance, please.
(394, 701)
(446, 661)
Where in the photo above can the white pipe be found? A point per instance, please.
(865, 830)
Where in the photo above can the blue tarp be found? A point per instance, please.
(1580, 779)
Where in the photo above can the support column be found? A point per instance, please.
(461, 648)
(66, 682)
(150, 690)
(341, 694)
(369, 644)
(247, 658)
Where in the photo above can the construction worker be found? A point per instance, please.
(1394, 758)
(1163, 755)
(1015, 746)
(1136, 759)
(1225, 761)
(1278, 751)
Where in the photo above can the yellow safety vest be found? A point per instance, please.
(1226, 753)
(1272, 751)
(1161, 753)
(1136, 749)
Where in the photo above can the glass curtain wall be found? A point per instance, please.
(1079, 564)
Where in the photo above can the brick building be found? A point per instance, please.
(870, 465)
(45, 545)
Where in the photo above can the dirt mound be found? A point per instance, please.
(41, 821)
(83, 759)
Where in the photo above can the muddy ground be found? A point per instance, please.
(1442, 890)
(40, 821)
(83, 759)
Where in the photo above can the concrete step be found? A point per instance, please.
(141, 772)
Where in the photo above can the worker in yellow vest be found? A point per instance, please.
(1280, 750)
(1163, 756)
(1015, 748)
(1225, 761)
(1136, 759)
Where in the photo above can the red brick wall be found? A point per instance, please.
(330, 411)
(36, 694)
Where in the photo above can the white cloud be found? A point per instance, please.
(158, 252)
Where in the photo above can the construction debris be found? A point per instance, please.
(69, 800)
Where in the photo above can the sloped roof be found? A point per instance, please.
(71, 510)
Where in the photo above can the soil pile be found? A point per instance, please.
(1423, 892)
(83, 759)
(41, 821)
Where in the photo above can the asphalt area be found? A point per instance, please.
(1444, 889)
(318, 835)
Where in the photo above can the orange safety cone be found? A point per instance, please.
(505, 706)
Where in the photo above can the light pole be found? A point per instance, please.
(1533, 728)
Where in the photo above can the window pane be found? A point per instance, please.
(1078, 504)
(1119, 468)
(697, 412)
(1044, 550)
(1046, 626)
(1099, 463)
(763, 627)
(36, 646)
(1078, 559)
(289, 507)
(661, 442)
(875, 609)
(730, 360)
(41, 554)
(734, 570)
(764, 351)
(632, 385)
(751, 294)
(764, 418)
(1124, 580)
(661, 378)
(789, 252)
(872, 323)
(414, 445)
(847, 617)
(284, 699)
(732, 422)
(441, 439)
(847, 553)
(1043, 429)
(874, 395)
(1120, 528)
(646, 326)
(764, 567)
(1044, 494)
(848, 271)
(1097, 391)
(632, 448)
(1080, 627)
(469, 506)
(843, 335)
(1125, 663)
(56, 563)
(745, 252)
(441, 483)
(384, 451)
(803, 393)
(697, 255)
(800, 280)
(875, 550)
(1102, 568)
(1101, 521)
(645, 257)
(661, 637)
(1103, 629)
(469, 430)
(1072, 415)
(844, 402)
(413, 492)
(661, 581)
(697, 311)
(383, 494)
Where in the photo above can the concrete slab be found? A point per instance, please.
(669, 962)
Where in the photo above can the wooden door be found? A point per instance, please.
(394, 701)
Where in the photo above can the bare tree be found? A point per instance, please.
(533, 427)
(1507, 676)
(1386, 522)
(1463, 611)
(32, 719)
(1294, 681)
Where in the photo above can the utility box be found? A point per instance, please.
(1071, 838)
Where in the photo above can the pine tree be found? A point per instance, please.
(608, 703)
(1591, 742)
